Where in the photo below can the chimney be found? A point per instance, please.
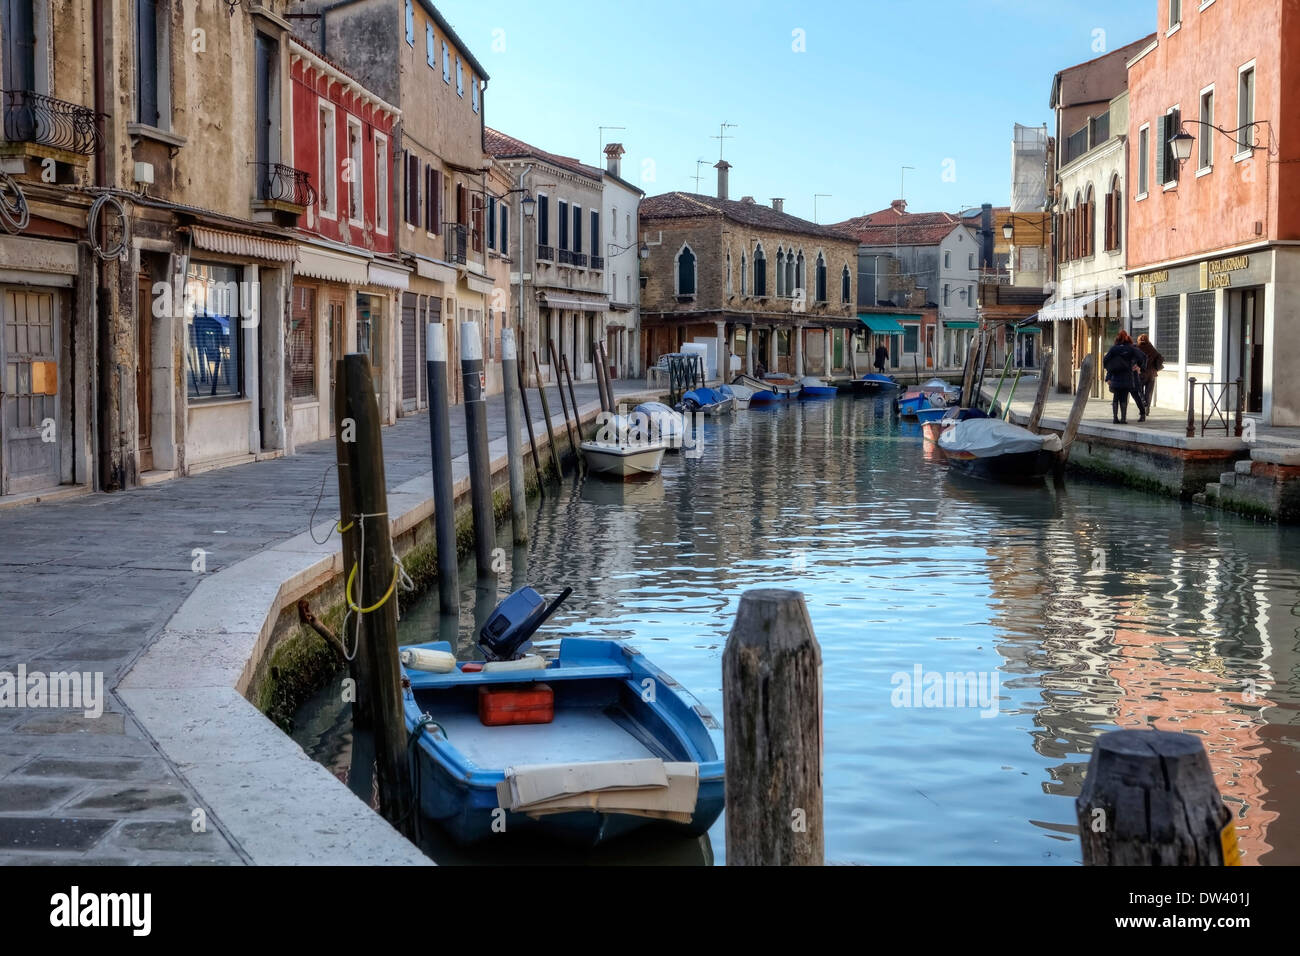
(986, 235)
(722, 166)
(747, 200)
(899, 205)
(613, 156)
(778, 204)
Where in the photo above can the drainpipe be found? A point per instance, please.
(100, 423)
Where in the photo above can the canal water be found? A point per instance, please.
(1073, 610)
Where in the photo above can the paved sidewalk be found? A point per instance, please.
(86, 583)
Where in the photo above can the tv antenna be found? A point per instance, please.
(698, 174)
(722, 135)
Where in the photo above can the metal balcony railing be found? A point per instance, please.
(1218, 408)
(456, 236)
(598, 262)
(277, 182)
(566, 257)
(35, 118)
(546, 253)
(580, 259)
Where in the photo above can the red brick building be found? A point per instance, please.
(1212, 257)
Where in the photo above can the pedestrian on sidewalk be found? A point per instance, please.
(882, 356)
(1155, 362)
(1124, 364)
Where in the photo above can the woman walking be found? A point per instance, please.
(1155, 362)
(1124, 364)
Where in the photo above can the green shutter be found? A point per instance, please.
(1162, 146)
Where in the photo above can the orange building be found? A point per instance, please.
(1211, 252)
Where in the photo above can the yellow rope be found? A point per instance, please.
(341, 527)
(374, 607)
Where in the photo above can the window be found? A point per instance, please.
(1114, 214)
(628, 233)
(1205, 144)
(911, 338)
(1166, 166)
(381, 183)
(492, 222)
(783, 342)
(446, 62)
(473, 93)
(326, 195)
(970, 295)
(356, 175)
(462, 207)
(302, 343)
(432, 200)
(1167, 327)
(410, 23)
(947, 260)
(686, 271)
(820, 277)
(729, 283)
(760, 271)
(595, 233)
(503, 237)
(460, 78)
(945, 293)
(1246, 107)
(543, 220)
(613, 223)
(781, 288)
(152, 64)
(412, 205)
(1175, 13)
(562, 215)
(476, 221)
(430, 45)
(591, 337)
(800, 277)
(970, 260)
(744, 276)
(577, 229)
(213, 307)
(1144, 159)
(846, 290)
(1200, 328)
(266, 107)
(1089, 222)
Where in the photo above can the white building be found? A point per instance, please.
(620, 209)
(959, 271)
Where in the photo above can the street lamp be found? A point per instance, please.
(528, 203)
(642, 253)
(1181, 142)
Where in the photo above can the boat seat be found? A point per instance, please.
(424, 680)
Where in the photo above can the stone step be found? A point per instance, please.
(1243, 467)
(1276, 456)
(1211, 492)
(1228, 478)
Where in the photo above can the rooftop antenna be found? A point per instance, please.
(698, 174)
(817, 196)
(722, 135)
(600, 156)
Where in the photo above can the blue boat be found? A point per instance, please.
(909, 407)
(471, 778)
(710, 401)
(924, 415)
(816, 388)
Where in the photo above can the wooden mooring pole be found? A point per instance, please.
(514, 445)
(772, 706)
(344, 440)
(444, 498)
(528, 422)
(578, 461)
(564, 402)
(1040, 397)
(1149, 799)
(546, 413)
(371, 586)
(476, 437)
(1076, 410)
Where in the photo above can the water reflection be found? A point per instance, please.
(1097, 607)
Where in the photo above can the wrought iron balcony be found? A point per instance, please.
(598, 262)
(35, 118)
(277, 182)
(566, 257)
(546, 253)
(455, 235)
(580, 259)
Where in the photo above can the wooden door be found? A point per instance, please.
(144, 373)
(29, 383)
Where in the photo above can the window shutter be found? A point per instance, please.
(1162, 147)
(492, 222)
(476, 222)
(462, 212)
(1174, 125)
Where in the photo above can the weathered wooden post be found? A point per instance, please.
(564, 402)
(772, 707)
(371, 586)
(546, 414)
(514, 448)
(578, 461)
(476, 437)
(444, 503)
(1241, 407)
(1076, 410)
(345, 427)
(1191, 408)
(528, 421)
(967, 373)
(1149, 799)
(1040, 398)
(603, 357)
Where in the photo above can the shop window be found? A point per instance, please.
(215, 301)
(302, 344)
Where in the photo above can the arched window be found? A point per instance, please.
(686, 271)
(1090, 222)
(744, 275)
(760, 271)
(821, 278)
(729, 287)
(846, 292)
(1114, 215)
(1076, 228)
(800, 276)
(781, 287)
(1064, 253)
(791, 280)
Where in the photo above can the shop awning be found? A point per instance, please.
(1027, 330)
(578, 303)
(885, 324)
(238, 244)
(478, 283)
(961, 325)
(1074, 307)
(316, 263)
(389, 277)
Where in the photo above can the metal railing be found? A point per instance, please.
(35, 118)
(685, 372)
(456, 238)
(598, 262)
(1218, 396)
(546, 253)
(566, 257)
(277, 182)
(580, 259)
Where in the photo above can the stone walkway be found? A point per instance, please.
(87, 583)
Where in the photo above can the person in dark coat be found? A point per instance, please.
(882, 356)
(1124, 364)
(1155, 362)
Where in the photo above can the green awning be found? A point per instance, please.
(884, 324)
(961, 325)
(1029, 330)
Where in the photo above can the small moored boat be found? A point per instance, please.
(623, 460)
(997, 450)
(816, 388)
(740, 393)
(661, 424)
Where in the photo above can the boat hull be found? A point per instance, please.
(623, 461)
(817, 391)
(1024, 467)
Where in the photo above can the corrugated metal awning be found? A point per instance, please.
(238, 244)
(316, 263)
(578, 303)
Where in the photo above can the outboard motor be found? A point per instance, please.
(510, 627)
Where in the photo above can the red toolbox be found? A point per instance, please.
(516, 704)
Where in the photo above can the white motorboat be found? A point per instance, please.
(661, 424)
(740, 393)
(623, 461)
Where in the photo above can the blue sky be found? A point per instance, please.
(932, 84)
